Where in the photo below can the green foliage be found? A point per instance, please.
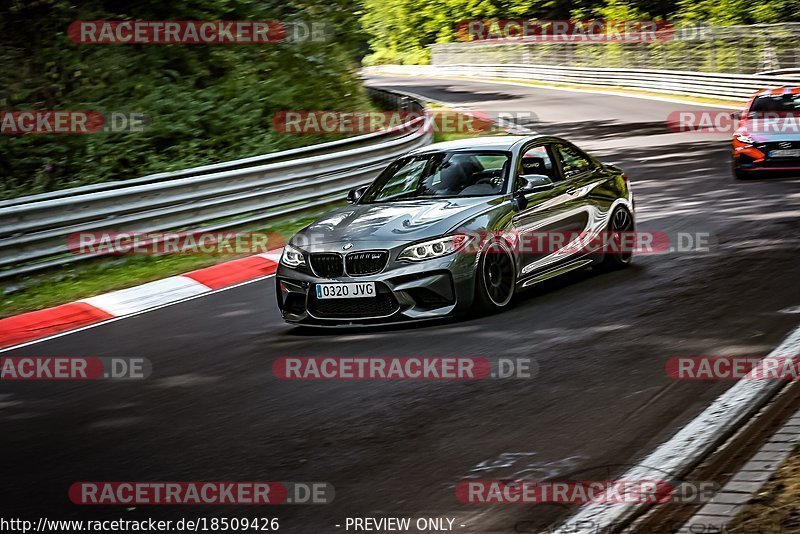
(400, 30)
(207, 103)
(727, 12)
(211, 103)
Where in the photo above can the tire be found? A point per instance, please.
(496, 278)
(740, 174)
(621, 221)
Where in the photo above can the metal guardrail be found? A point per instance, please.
(701, 84)
(734, 49)
(34, 229)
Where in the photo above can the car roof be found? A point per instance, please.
(784, 90)
(486, 142)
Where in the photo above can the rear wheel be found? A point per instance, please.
(614, 256)
(496, 277)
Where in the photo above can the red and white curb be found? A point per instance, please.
(40, 324)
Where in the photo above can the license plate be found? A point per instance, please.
(793, 153)
(346, 291)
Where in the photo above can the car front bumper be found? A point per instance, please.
(759, 157)
(405, 291)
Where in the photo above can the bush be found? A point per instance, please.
(207, 103)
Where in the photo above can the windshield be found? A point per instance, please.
(788, 102)
(441, 175)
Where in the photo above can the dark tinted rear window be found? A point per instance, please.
(777, 103)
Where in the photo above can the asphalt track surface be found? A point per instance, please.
(212, 410)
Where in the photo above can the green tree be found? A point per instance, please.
(208, 103)
(400, 30)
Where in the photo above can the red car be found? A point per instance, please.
(768, 135)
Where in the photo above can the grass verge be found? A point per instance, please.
(100, 275)
(776, 508)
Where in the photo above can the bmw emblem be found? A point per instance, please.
(348, 246)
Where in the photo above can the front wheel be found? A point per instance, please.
(496, 277)
(614, 256)
(740, 174)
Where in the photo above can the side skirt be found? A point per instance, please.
(556, 271)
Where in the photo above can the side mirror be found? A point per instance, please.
(533, 183)
(354, 194)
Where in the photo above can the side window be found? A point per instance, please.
(573, 162)
(537, 160)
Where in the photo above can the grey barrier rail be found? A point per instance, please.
(34, 230)
(700, 84)
(742, 49)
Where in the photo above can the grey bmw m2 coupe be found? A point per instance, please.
(438, 232)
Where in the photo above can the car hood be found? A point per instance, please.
(774, 130)
(394, 221)
(773, 137)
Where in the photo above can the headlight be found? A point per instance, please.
(434, 249)
(743, 138)
(292, 257)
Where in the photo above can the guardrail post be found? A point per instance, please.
(713, 45)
